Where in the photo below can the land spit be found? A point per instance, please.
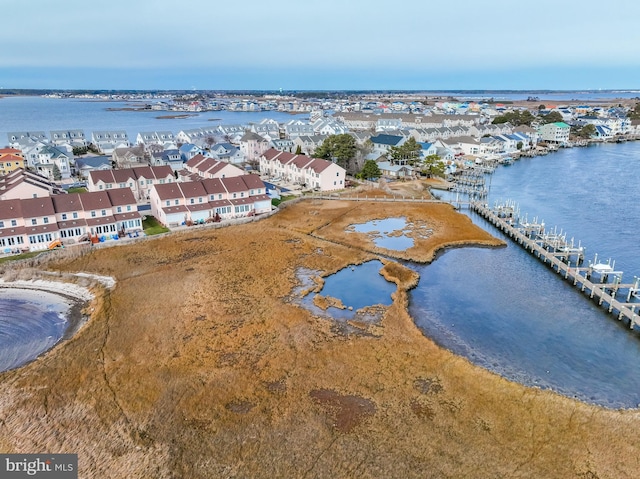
(196, 365)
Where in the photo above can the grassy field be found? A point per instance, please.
(200, 364)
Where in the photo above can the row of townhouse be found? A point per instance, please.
(397, 121)
(211, 199)
(35, 224)
(22, 184)
(139, 180)
(303, 170)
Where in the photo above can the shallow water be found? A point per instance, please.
(31, 323)
(357, 286)
(388, 233)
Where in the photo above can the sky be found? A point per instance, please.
(320, 44)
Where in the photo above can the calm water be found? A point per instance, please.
(506, 311)
(388, 233)
(30, 324)
(356, 286)
(46, 114)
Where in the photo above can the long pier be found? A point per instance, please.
(553, 250)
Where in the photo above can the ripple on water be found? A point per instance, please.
(31, 323)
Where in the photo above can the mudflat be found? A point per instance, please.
(200, 364)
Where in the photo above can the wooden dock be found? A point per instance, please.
(604, 292)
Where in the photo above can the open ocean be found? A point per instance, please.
(501, 308)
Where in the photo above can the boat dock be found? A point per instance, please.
(599, 280)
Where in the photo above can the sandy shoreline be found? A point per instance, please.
(76, 297)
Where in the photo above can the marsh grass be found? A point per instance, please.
(196, 366)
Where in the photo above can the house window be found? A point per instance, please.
(220, 196)
(234, 195)
(192, 201)
(168, 203)
(34, 221)
(103, 212)
(46, 220)
(119, 209)
(128, 207)
(176, 202)
(200, 200)
(64, 216)
(1, 224)
(100, 187)
(75, 214)
(93, 214)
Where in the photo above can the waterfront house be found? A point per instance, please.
(11, 159)
(303, 170)
(68, 137)
(209, 200)
(554, 132)
(392, 170)
(166, 139)
(467, 145)
(107, 141)
(18, 139)
(197, 136)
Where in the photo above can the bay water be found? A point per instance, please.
(31, 323)
(506, 311)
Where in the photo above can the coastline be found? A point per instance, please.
(76, 298)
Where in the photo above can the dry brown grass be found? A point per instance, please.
(198, 366)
